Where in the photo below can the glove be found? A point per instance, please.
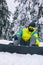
(15, 37)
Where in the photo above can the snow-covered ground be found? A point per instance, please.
(19, 59)
(41, 44)
(2, 41)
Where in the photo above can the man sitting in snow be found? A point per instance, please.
(27, 36)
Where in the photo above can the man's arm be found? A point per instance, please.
(37, 39)
(19, 33)
(16, 36)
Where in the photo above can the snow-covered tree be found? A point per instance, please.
(27, 11)
(0, 17)
(4, 19)
(22, 15)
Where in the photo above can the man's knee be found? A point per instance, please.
(32, 41)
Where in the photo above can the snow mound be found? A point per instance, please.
(2, 41)
(41, 44)
(20, 59)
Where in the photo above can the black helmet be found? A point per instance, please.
(32, 24)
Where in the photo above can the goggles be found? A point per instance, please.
(31, 29)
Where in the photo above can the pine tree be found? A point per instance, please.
(0, 17)
(4, 18)
(22, 14)
(28, 11)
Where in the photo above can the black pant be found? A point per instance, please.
(22, 42)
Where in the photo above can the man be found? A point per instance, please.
(27, 36)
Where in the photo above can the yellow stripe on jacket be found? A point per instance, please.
(26, 34)
(37, 39)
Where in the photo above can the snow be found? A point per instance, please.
(2, 41)
(41, 20)
(19, 59)
(11, 5)
(41, 44)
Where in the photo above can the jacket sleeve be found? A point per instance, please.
(19, 33)
(37, 39)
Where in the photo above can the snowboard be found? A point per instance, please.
(21, 49)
